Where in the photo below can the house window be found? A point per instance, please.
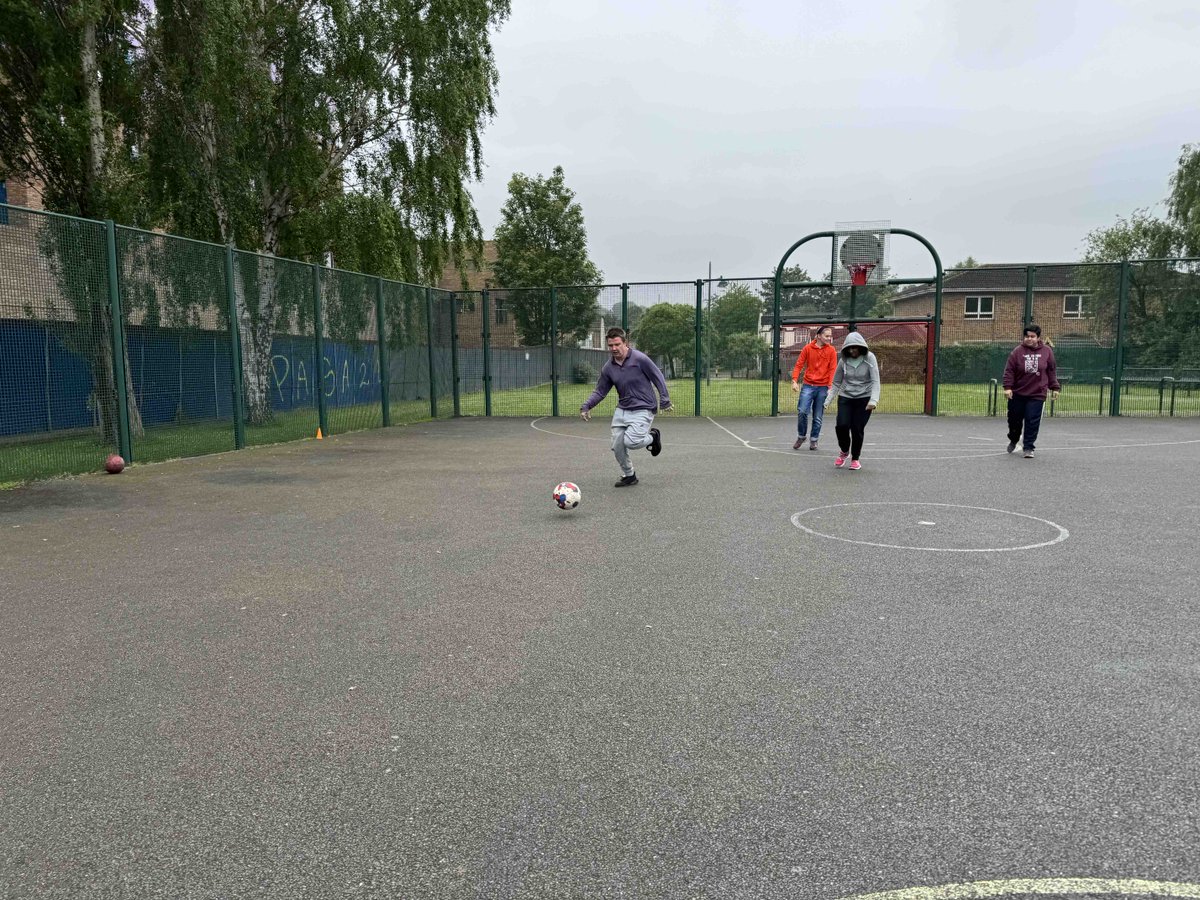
(466, 305)
(980, 308)
(501, 312)
(1073, 306)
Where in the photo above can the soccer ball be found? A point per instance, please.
(567, 495)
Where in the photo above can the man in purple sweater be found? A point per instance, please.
(635, 377)
(1029, 374)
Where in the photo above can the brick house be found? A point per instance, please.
(468, 282)
(987, 304)
(21, 193)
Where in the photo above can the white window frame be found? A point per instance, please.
(1080, 312)
(978, 314)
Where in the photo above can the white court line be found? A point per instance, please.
(1063, 534)
(1009, 887)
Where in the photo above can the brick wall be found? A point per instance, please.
(1008, 317)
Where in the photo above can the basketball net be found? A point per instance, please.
(860, 273)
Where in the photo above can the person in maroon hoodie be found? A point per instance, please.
(1029, 375)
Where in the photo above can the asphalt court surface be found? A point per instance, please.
(386, 665)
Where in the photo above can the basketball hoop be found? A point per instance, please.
(860, 273)
(862, 252)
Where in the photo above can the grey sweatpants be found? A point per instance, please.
(630, 431)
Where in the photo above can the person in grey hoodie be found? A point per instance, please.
(856, 385)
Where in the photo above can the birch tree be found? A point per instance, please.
(269, 118)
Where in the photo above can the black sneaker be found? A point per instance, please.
(627, 480)
(1012, 445)
(655, 442)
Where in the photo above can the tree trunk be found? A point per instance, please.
(95, 113)
(256, 356)
(102, 371)
(257, 334)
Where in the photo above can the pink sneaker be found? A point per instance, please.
(841, 460)
(855, 465)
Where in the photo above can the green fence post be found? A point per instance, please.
(433, 410)
(699, 339)
(1114, 408)
(775, 333)
(624, 308)
(385, 373)
(319, 343)
(124, 445)
(554, 351)
(1029, 270)
(455, 387)
(937, 334)
(235, 353)
(485, 297)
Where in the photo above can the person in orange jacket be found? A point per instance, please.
(818, 360)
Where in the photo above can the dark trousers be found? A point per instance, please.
(1027, 412)
(852, 419)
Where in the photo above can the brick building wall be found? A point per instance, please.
(969, 316)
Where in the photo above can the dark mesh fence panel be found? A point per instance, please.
(1076, 307)
(281, 372)
(350, 360)
(58, 406)
(585, 314)
(468, 307)
(1161, 374)
(736, 347)
(662, 322)
(443, 350)
(519, 326)
(175, 306)
(408, 355)
(982, 316)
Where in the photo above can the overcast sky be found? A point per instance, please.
(724, 131)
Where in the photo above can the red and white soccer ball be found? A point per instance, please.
(567, 495)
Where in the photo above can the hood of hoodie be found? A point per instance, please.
(854, 339)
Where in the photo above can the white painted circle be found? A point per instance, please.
(1058, 886)
(1062, 533)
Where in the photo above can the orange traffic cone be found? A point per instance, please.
(320, 437)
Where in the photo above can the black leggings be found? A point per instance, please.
(852, 419)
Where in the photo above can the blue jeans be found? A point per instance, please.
(811, 396)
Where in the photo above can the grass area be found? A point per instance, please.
(32, 460)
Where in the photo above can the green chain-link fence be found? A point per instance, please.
(119, 340)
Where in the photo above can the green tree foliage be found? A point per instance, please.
(737, 309)
(542, 241)
(744, 350)
(797, 301)
(969, 263)
(1184, 201)
(269, 119)
(667, 331)
(68, 117)
(1163, 313)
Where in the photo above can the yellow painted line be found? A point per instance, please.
(980, 889)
